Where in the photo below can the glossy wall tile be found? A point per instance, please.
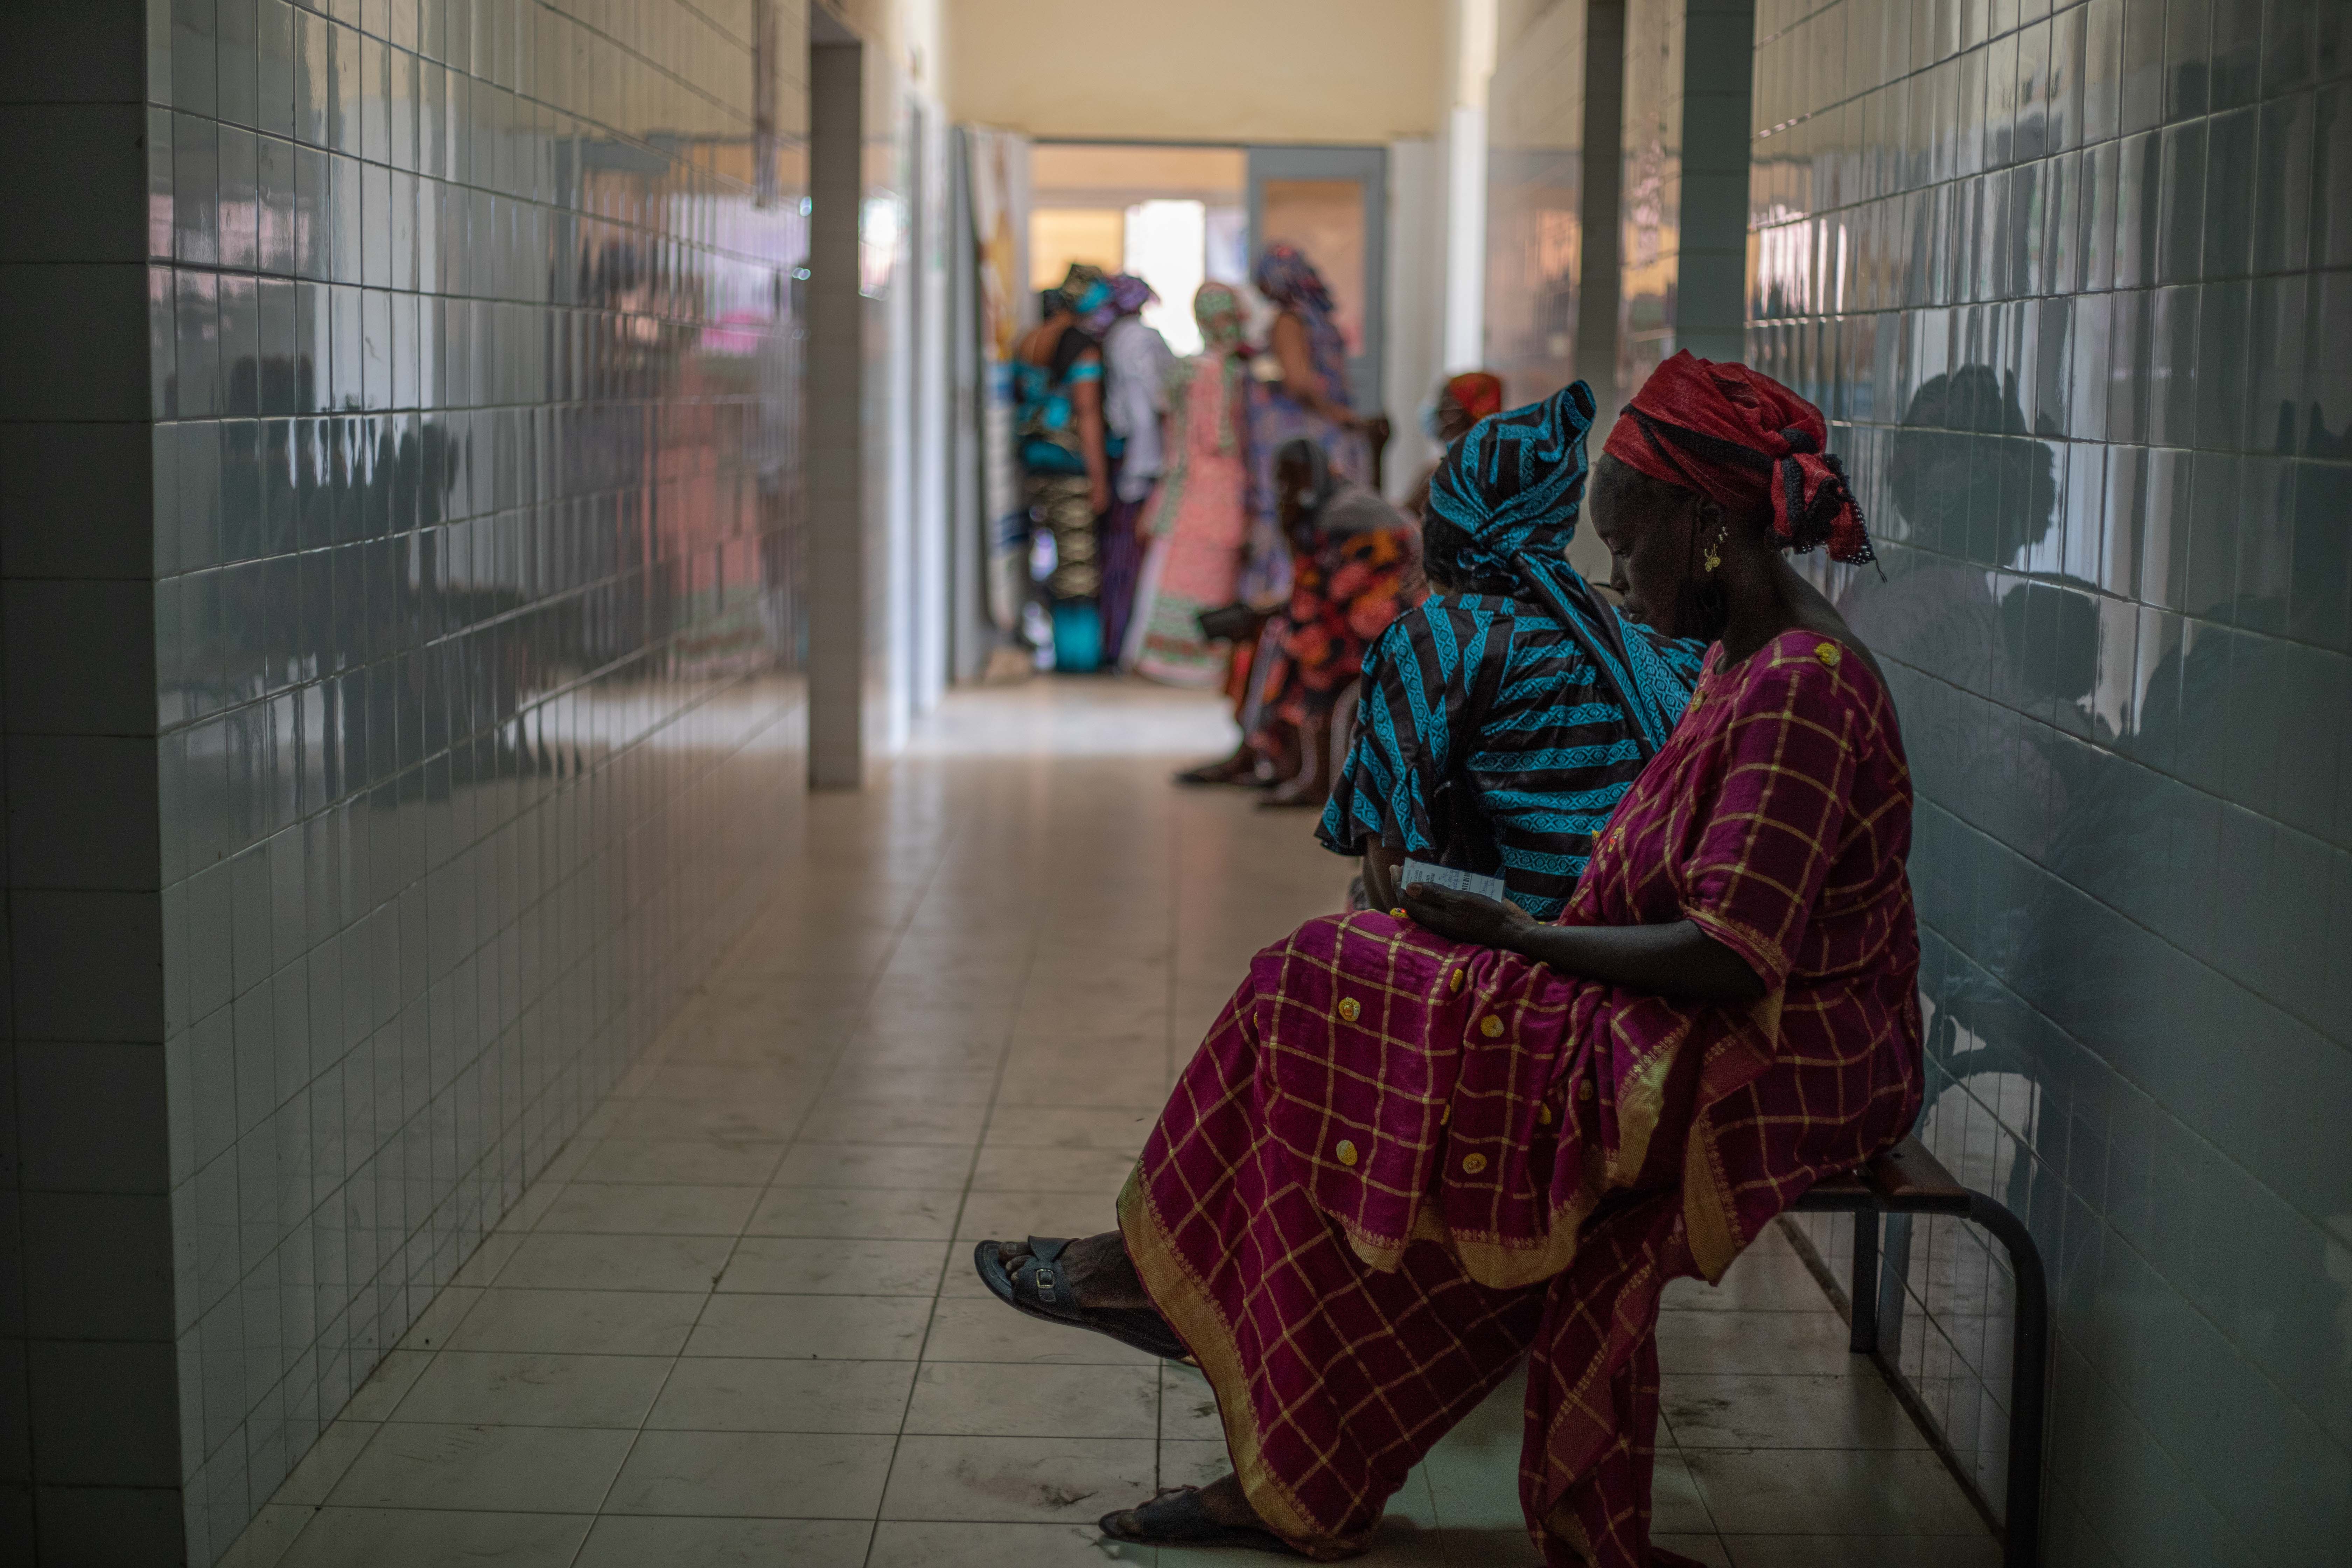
(1682, 204)
(437, 605)
(2075, 283)
(1538, 264)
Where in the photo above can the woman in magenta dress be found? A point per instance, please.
(1419, 1146)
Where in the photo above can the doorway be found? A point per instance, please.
(1332, 204)
(1172, 216)
(1177, 215)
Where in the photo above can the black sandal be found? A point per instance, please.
(1175, 1517)
(1033, 1286)
(1228, 771)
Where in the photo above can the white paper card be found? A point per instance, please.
(1447, 877)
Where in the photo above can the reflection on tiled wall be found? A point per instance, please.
(1683, 203)
(473, 367)
(2076, 286)
(1535, 193)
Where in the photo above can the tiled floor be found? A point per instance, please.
(734, 1323)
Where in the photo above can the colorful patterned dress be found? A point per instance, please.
(1054, 464)
(1346, 589)
(1289, 281)
(1200, 522)
(1398, 1164)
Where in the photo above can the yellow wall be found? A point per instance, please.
(1077, 173)
(907, 32)
(1204, 70)
(1060, 236)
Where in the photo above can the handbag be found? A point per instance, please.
(1230, 623)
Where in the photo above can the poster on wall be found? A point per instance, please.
(999, 186)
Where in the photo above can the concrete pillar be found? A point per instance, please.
(91, 1452)
(1684, 229)
(1718, 61)
(1595, 355)
(836, 436)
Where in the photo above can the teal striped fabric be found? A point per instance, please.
(1524, 797)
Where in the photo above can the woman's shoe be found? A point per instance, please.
(1176, 1517)
(1035, 1287)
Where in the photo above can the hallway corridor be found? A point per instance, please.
(735, 1321)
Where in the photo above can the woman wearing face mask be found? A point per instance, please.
(1462, 402)
(1197, 523)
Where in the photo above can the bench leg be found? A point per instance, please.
(1863, 1288)
(2029, 1365)
(1894, 1272)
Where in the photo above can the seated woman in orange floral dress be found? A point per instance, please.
(1419, 1147)
(1355, 566)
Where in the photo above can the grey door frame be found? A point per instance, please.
(1370, 167)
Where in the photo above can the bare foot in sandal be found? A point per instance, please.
(1095, 1269)
(1228, 1505)
(1086, 1284)
(1216, 1515)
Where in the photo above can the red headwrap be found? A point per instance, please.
(1742, 439)
(1477, 393)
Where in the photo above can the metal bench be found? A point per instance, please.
(1908, 1179)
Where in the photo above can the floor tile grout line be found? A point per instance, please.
(668, 1046)
(1714, 1529)
(971, 1171)
(1179, 821)
(995, 1120)
(988, 1122)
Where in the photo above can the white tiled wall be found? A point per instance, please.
(2075, 283)
(402, 555)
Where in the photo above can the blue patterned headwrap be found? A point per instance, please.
(1123, 294)
(1285, 276)
(1516, 480)
(1515, 484)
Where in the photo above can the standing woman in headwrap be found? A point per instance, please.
(1058, 377)
(1420, 1150)
(1307, 399)
(1136, 362)
(1503, 719)
(1197, 523)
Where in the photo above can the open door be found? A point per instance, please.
(1332, 204)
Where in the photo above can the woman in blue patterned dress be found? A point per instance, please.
(1302, 393)
(1503, 719)
(1058, 375)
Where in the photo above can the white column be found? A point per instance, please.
(929, 270)
(1465, 237)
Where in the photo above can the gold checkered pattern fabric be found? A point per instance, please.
(1397, 1164)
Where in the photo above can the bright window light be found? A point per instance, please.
(1167, 247)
